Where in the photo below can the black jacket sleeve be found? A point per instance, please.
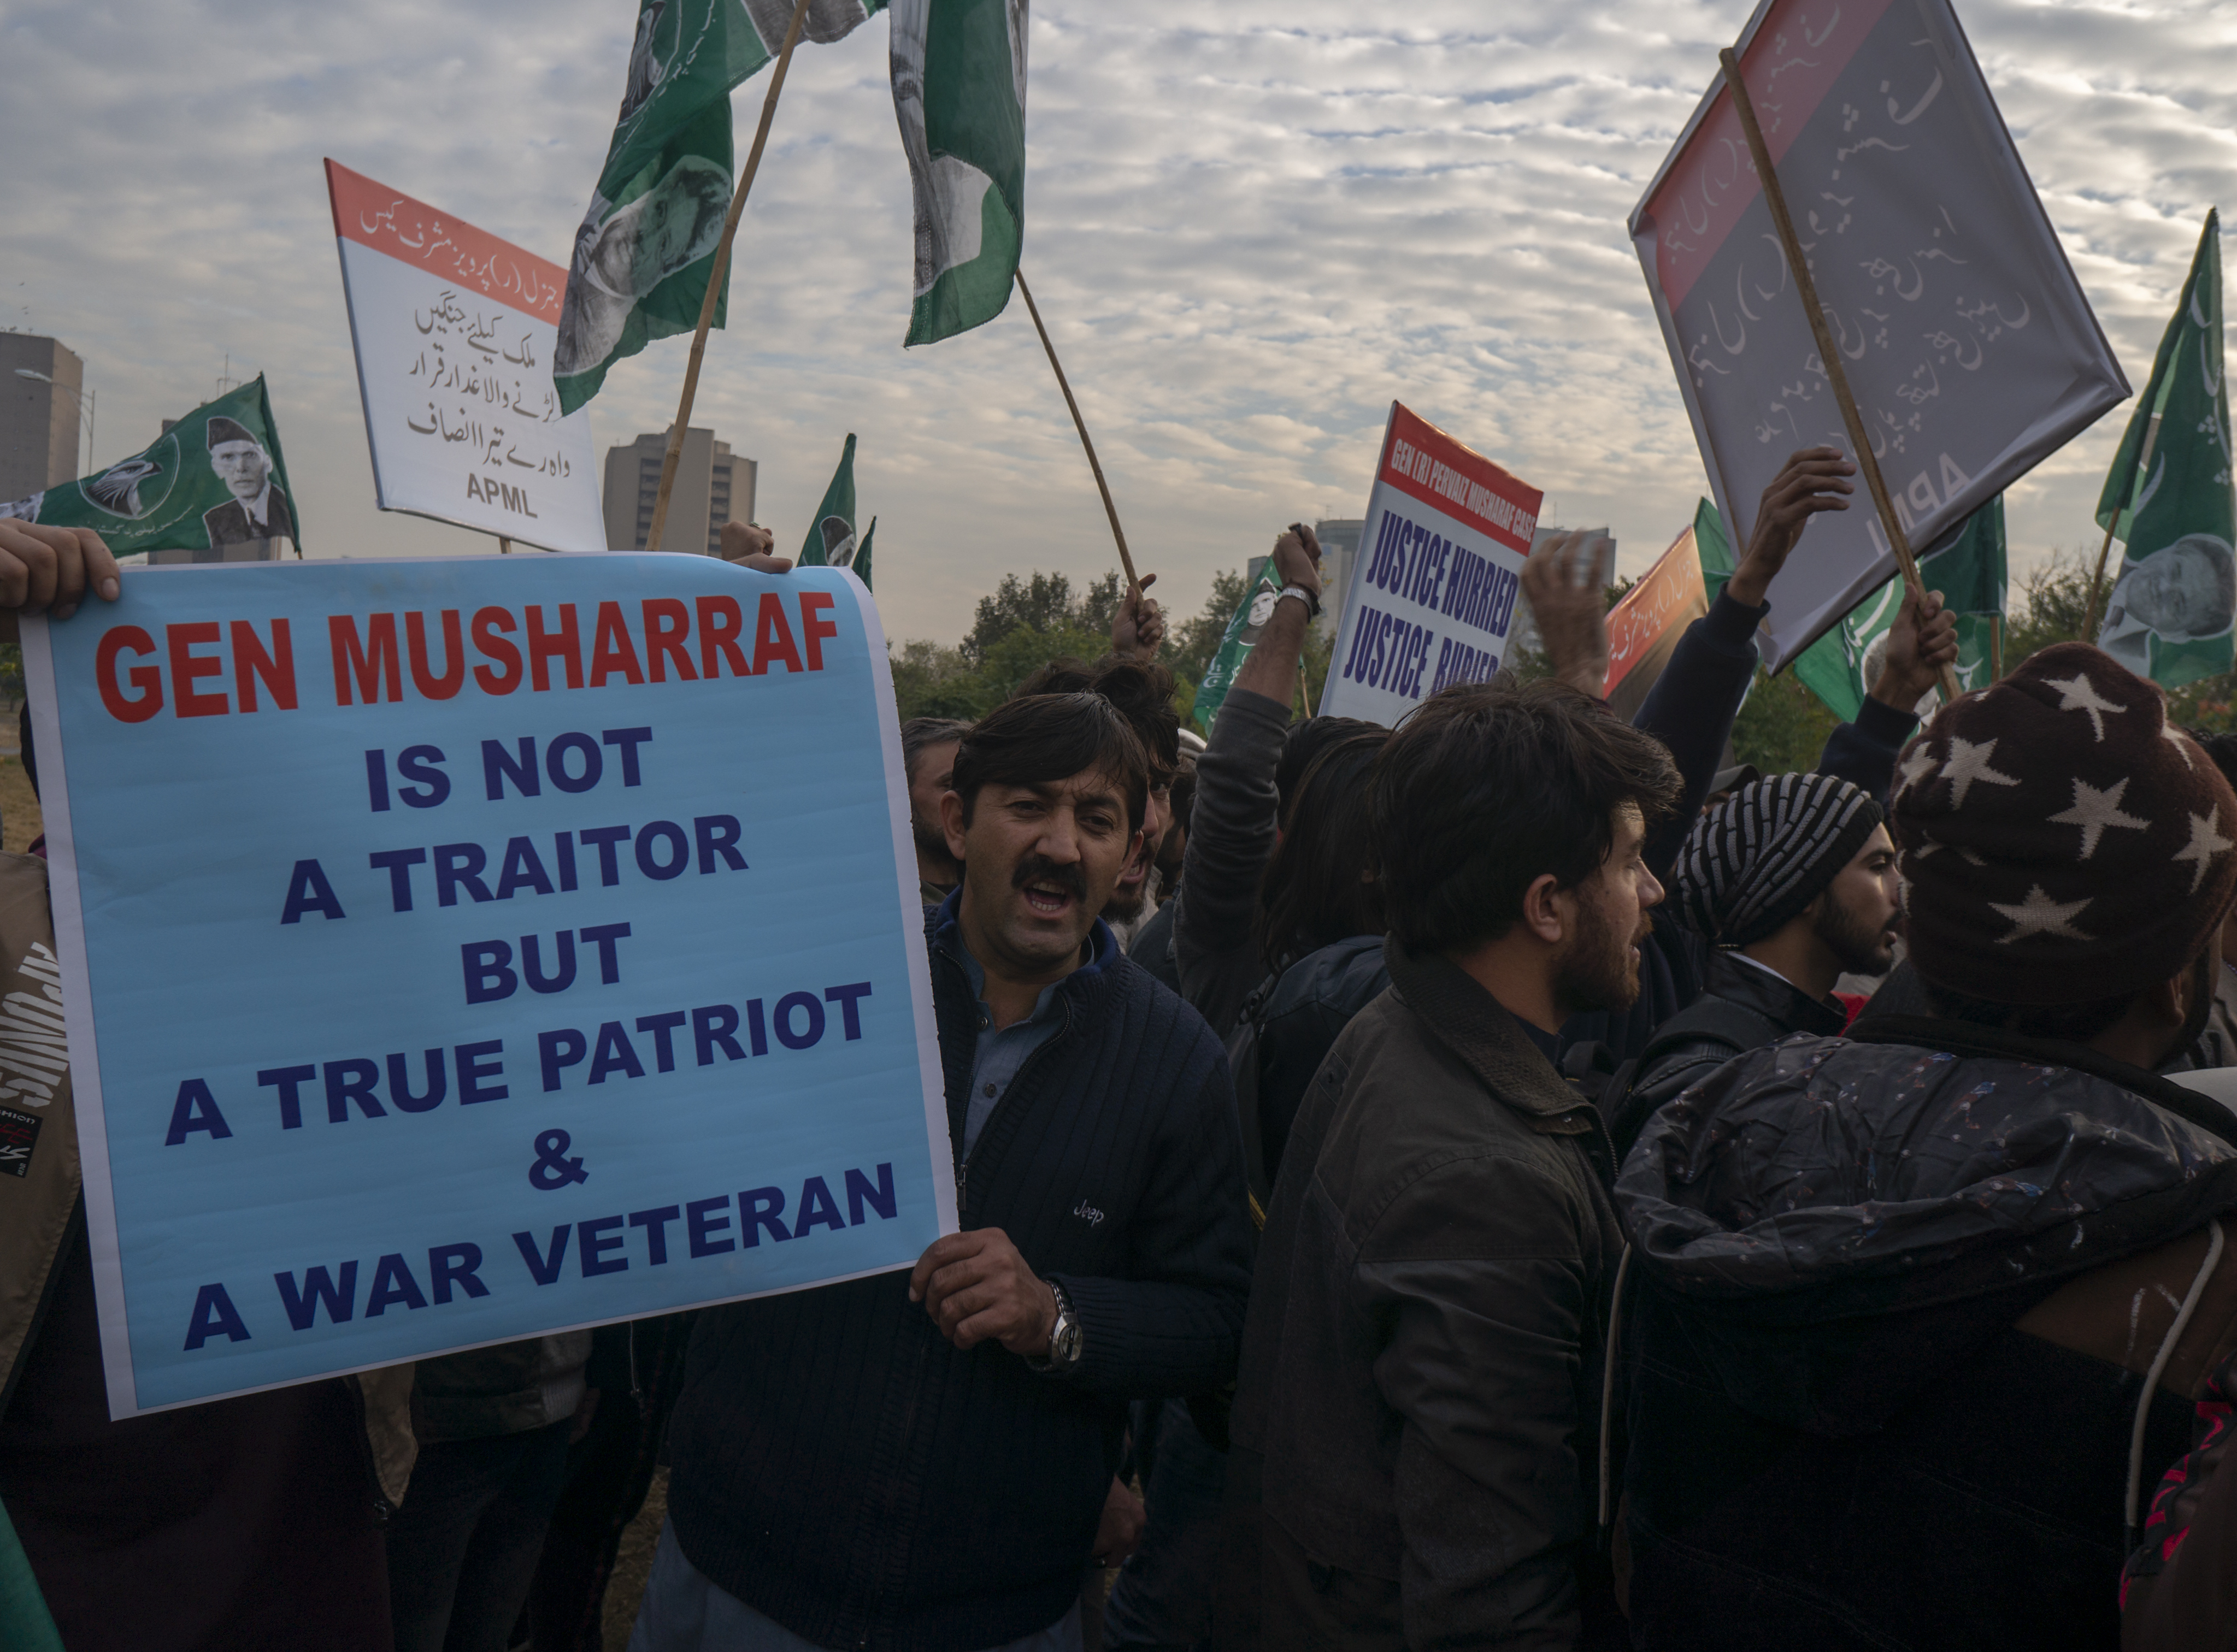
(1690, 708)
(1173, 1325)
(1863, 751)
(1230, 839)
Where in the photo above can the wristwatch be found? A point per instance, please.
(1065, 1338)
(1312, 602)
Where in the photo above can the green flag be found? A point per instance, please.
(862, 563)
(1235, 644)
(213, 479)
(25, 1624)
(646, 246)
(959, 75)
(2169, 614)
(1841, 666)
(830, 542)
(1714, 550)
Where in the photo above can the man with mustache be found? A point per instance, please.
(1419, 1399)
(1793, 881)
(1143, 691)
(927, 1459)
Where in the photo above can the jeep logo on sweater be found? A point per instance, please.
(1088, 1214)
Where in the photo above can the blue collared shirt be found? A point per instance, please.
(1000, 1050)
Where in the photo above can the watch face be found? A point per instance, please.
(1065, 1345)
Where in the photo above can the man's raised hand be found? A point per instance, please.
(748, 545)
(48, 570)
(1139, 626)
(978, 1289)
(1298, 558)
(1922, 640)
(1572, 617)
(1814, 479)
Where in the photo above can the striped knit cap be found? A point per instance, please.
(1762, 855)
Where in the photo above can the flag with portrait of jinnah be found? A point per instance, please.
(2169, 616)
(959, 75)
(645, 250)
(214, 478)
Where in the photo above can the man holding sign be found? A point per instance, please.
(935, 1451)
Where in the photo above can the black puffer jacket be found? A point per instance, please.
(1743, 1006)
(1840, 1436)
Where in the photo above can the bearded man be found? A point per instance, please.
(1792, 879)
(1419, 1394)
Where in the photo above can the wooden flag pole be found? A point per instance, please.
(1133, 583)
(504, 546)
(721, 267)
(1828, 351)
(2097, 579)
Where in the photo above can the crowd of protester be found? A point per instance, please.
(1509, 1179)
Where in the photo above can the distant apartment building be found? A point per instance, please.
(42, 384)
(1339, 539)
(713, 486)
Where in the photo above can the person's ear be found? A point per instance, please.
(951, 822)
(1548, 909)
(2169, 1001)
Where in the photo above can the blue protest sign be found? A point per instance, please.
(459, 951)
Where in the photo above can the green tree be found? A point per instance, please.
(1783, 727)
(1040, 603)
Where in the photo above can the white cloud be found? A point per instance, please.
(1249, 227)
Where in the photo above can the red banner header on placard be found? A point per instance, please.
(376, 216)
(1791, 65)
(1421, 460)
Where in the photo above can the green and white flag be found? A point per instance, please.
(861, 562)
(1235, 645)
(958, 73)
(214, 480)
(830, 542)
(2170, 613)
(646, 246)
(1841, 666)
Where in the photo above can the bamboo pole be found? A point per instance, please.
(1133, 582)
(1995, 648)
(714, 275)
(1304, 688)
(1828, 351)
(2097, 579)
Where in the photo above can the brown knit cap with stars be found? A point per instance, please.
(2062, 841)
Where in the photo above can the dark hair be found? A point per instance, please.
(1043, 739)
(2078, 1023)
(1318, 889)
(1141, 689)
(1305, 741)
(1487, 787)
(1184, 794)
(2221, 748)
(920, 734)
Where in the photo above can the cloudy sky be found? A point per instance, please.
(1250, 226)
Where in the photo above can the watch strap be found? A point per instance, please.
(1312, 602)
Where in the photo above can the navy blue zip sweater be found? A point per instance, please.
(841, 1467)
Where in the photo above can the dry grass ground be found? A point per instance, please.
(19, 809)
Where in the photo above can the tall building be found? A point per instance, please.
(1339, 539)
(713, 486)
(41, 383)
